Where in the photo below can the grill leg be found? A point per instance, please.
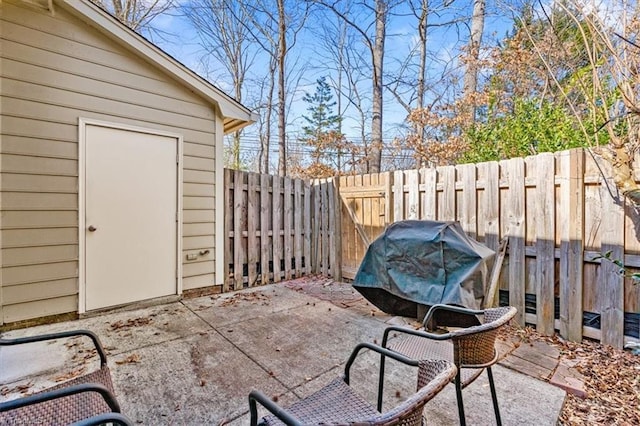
(494, 396)
(381, 381)
(463, 421)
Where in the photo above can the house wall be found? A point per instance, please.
(54, 69)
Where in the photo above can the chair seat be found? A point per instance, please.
(336, 402)
(420, 348)
(68, 409)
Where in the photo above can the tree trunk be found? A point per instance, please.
(422, 69)
(238, 80)
(282, 51)
(470, 80)
(375, 159)
(266, 137)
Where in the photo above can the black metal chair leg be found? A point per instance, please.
(494, 397)
(463, 421)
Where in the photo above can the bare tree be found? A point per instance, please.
(228, 42)
(470, 79)
(373, 34)
(136, 14)
(276, 33)
(408, 83)
(347, 71)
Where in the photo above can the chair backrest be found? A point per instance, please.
(433, 376)
(475, 346)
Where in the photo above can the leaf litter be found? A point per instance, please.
(254, 298)
(611, 380)
(130, 323)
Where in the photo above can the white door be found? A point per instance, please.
(130, 226)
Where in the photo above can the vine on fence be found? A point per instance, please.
(624, 271)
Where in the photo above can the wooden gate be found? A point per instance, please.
(366, 210)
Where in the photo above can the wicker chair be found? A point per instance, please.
(338, 404)
(77, 400)
(471, 349)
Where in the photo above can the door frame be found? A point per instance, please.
(82, 174)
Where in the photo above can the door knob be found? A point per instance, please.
(92, 228)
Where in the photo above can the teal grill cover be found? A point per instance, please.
(421, 262)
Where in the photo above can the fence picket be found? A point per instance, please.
(571, 245)
(239, 224)
(430, 185)
(388, 198)
(413, 202)
(288, 223)
(334, 228)
(324, 226)
(516, 224)
(297, 225)
(265, 247)
(252, 227)
(398, 196)
(315, 243)
(276, 195)
(611, 288)
(545, 244)
(448, 208)
(228, 228)
(469, 208)
(307, 227)
(490, 173)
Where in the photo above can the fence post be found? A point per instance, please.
(545, 243)
(572, 244)
(610, 288)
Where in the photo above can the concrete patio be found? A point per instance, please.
(195, 361)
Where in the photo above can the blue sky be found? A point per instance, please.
(181, 41)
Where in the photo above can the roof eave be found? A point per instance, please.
(112, 28)
(233, 125)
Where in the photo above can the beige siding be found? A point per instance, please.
(55, 69)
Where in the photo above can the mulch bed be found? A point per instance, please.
(611, 378)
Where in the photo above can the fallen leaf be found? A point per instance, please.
(131, 359)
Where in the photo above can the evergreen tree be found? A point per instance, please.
(322, 133)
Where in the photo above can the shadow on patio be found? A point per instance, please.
(195, 361)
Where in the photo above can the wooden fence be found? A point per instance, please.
(278, 228)
(559, 212)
